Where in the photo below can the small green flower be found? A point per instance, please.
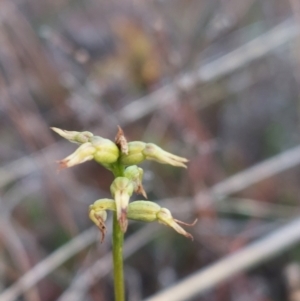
(135, 153)
(106, 151)
(147, 211)
(135, 175)
(144, 211)
(121, 190)
(99, 216)
(139, 151)
(102, 150)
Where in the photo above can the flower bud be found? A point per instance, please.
(148, 212)
(98, 214)
(122, 189)
(84, 152)
(102, 150)
(135, 175)
(144, 211)
(72, 136)
(135, 153)
(139, 151)
(106, 151)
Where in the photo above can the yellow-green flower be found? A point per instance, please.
(122, 189)
(147, 211)
(135, 175)
(139, 151)
(144, 211)
(102, 150)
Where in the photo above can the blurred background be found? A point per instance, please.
(216, 81)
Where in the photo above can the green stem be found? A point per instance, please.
(118, 239)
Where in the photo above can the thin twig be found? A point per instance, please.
(255, 174)
(256, 209)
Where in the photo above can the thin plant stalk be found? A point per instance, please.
(118, 238)
(115, 157)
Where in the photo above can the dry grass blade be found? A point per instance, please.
(255, 174)
(242, 260)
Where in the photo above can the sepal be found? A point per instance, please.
(135, 175)
(73, 136)
(122, 189)
(85, 152)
